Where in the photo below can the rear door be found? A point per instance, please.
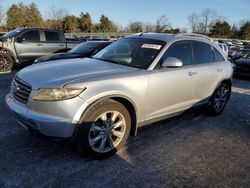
(53, 41)
(29, 46)
(209, 63)
(172, 89)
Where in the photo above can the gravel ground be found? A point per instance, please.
(192, 150)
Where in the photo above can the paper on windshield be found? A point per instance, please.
(151, 46)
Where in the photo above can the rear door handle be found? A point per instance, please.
(191, 73)
(61, 45)
(219, 70)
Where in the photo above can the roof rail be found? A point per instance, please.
(193, 35)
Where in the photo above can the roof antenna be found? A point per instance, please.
(141, 34)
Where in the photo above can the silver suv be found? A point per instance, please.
(137, 80)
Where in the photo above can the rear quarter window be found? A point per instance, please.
(52, 36)
(217, 56)
(203, 53)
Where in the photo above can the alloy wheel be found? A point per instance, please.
(5, 65)
(220, 98)
(107, 131)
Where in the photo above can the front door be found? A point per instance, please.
(172, 89)
(28, 45)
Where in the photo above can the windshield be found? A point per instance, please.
(85, 48)
(12, 33)
(135, 52)
(243, 52)
(247, 56)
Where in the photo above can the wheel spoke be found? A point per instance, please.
(95, 139)
(103, 143)
(118, 124)
(96, 128)
(118, 134)
(216, 106)
(111, 141)
(104, 119)
(225, 93)
(114, 116)
(223, 99)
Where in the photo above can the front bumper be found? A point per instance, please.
(49, 118)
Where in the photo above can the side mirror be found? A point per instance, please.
(19, 39)
(172, 62)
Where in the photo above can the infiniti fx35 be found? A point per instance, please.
(139, 79)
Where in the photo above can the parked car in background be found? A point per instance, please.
(241, 52)
(139, 79)
(85, 49)
(242, 66)
(27, 44)
(232, 51)
(237, 43)
(224, 49)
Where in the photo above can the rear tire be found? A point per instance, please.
(104, 129)
(6, 62)
(218, 100)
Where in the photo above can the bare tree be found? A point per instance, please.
(208, 19)
(193, 20)
(135, 27)
(55, 17)
(162, 24)
(203, 23)
(57, 14)
(149, 27)
(2, 15)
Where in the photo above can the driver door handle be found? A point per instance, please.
(39, 44)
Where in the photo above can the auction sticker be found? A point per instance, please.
(151, 46)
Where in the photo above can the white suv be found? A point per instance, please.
(137, 80)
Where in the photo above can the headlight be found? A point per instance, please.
(57, 94)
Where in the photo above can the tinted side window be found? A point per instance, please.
(203, 53)
(31, 36)
(52, 36)
(218, 57)
(181, 50)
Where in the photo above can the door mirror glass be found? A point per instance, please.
(172, 62)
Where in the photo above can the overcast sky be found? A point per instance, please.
(124, 11)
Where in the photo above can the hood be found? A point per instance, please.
(242, 62)
(57, 57)
(59, 73)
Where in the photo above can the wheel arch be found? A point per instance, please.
(226, 81)
(125, 101)
(130, 106)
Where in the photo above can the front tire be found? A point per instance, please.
(6, 62)
(219, 99)
(104, 128)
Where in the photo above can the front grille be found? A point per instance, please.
(20, 90)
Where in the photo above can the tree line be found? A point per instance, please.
(207, 22)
